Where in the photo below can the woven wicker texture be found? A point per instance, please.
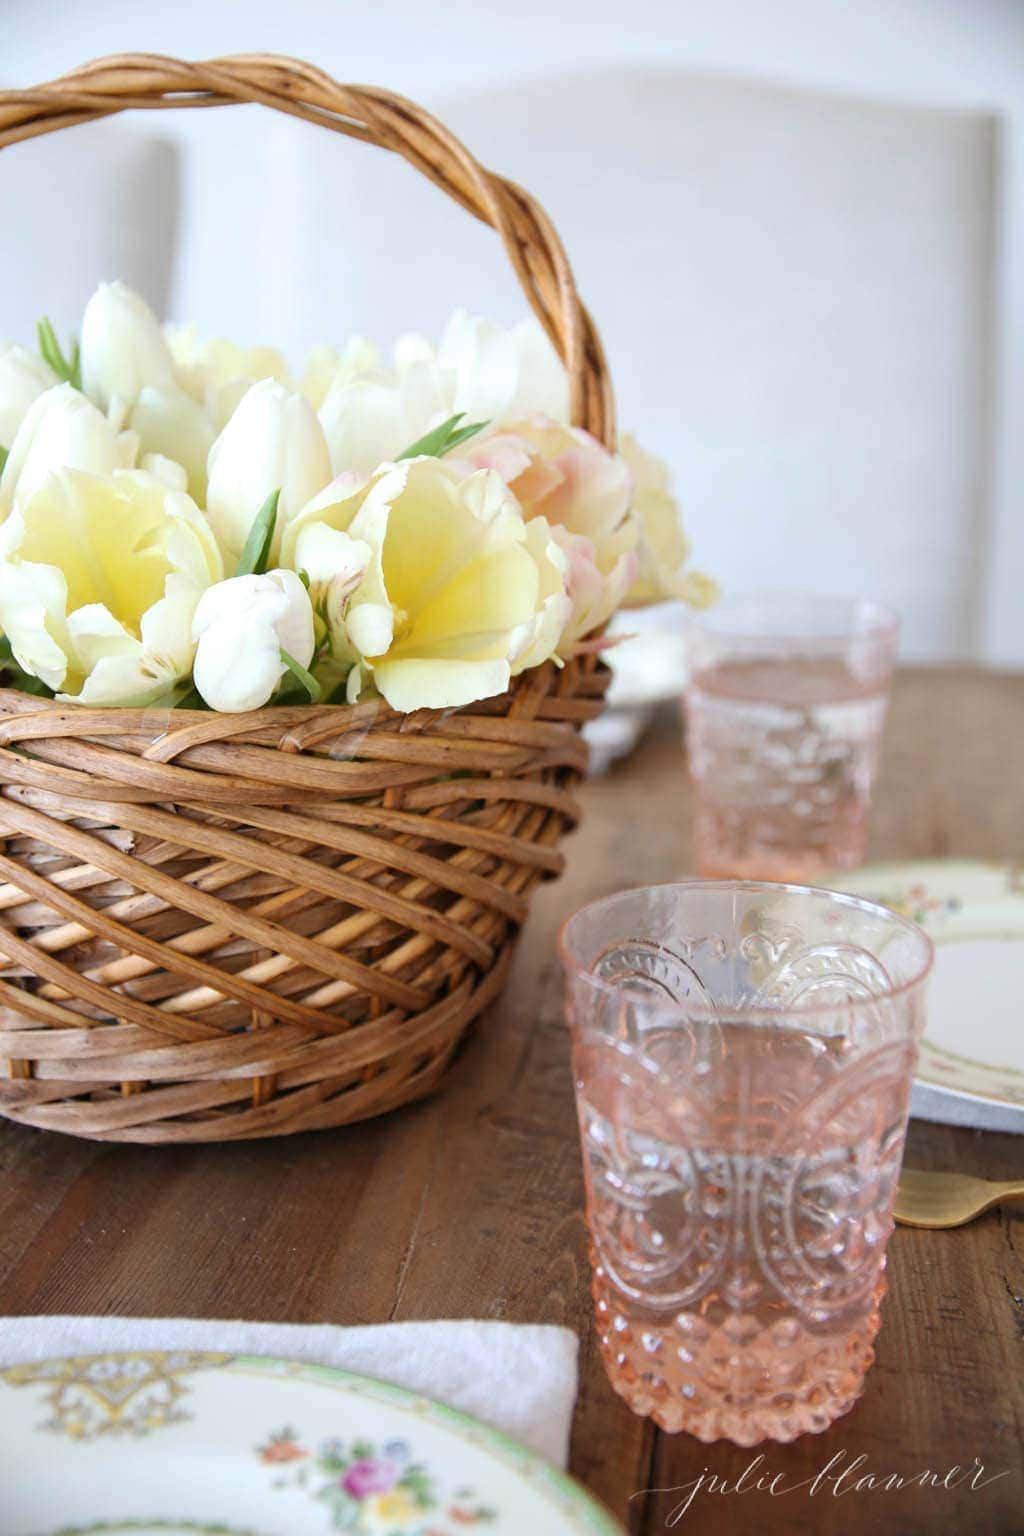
(225, 926)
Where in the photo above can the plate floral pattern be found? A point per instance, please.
(370, 1488)
(190, 1444)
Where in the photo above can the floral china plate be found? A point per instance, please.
(199, 1444)
(971, 1065)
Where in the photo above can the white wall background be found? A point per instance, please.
(800, 224)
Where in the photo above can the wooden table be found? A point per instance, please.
(470, 1205)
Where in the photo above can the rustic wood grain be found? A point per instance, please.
(470, 1204)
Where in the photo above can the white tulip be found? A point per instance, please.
(171, 423)
(543, 385)
(23, 378)
(483, 360)
(365, 423)
(371, 414)
(241, 627)
(272, 442)
(123, 348)
(61, 430)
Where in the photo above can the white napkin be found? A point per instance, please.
(517, 1377)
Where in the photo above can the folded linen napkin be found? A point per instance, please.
(517, 1377)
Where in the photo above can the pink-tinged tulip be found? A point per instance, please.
(564, 477)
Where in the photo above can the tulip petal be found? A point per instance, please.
(171, 423)
(371, 628)
(241, 626)
(129, 681)
(23, 378)
(663, 549)
(61, 430)
(538, 639)
(32, 603)
(123, 347)
(431, 684)
(543, 383)
(484, 359)
(272, 442)
(327, 555)
(238, 668)
(364, 423)
(99, 577)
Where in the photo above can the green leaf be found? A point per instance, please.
(68, 369)
(443, 439)
(307, 679)
(464, 434)
(4, 456)
(253, 559)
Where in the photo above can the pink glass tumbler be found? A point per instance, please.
(785, 706)
(743, 1058)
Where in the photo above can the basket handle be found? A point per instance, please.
(128, 81)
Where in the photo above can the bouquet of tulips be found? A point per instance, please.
(184, 524)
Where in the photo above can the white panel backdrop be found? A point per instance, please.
(798, 223)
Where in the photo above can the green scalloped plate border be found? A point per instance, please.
(571, 1499)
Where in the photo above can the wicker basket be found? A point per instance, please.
(225, 926)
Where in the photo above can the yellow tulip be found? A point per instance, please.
(99, 580)
(663, 549)
(326, 367)
(454, 592)
(217, 372)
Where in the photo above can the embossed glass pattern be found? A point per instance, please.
(785, 706)
(743, 1058)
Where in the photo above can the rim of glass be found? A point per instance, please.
(577, 969)
(867, 619)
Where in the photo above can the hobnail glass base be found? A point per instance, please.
(747, 1379)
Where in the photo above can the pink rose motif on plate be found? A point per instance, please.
(369, 1486)
(365, 1478)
